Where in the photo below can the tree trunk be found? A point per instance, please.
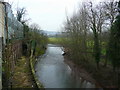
(96, 48)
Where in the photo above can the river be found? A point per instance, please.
(53, 72)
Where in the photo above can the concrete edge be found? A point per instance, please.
(38, 83)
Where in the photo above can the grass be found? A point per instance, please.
(22, 75)
(55, 40)
(90, 46)
(39, 51)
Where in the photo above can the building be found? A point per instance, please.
(11, 30)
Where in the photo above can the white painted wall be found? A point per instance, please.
(1, 20)
(2, 13)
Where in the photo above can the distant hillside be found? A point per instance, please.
(51, 33)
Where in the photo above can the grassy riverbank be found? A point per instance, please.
(24, 74)
(23, 77)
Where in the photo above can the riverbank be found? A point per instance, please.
(80, 72)
(101, 78)
(32, 65)
(22, 77)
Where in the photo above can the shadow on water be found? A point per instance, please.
(54, 73)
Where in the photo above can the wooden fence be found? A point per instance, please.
(12, 52)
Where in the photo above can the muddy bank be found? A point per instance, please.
(80, 72)
(104, 77)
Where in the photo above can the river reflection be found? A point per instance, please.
(54, 73)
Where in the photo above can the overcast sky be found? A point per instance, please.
(49, 14)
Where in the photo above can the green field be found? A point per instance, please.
(54, 40)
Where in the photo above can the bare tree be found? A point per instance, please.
(111, 13)
(111, 10)
(21, 12)
(96, 20)
(76, 29)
